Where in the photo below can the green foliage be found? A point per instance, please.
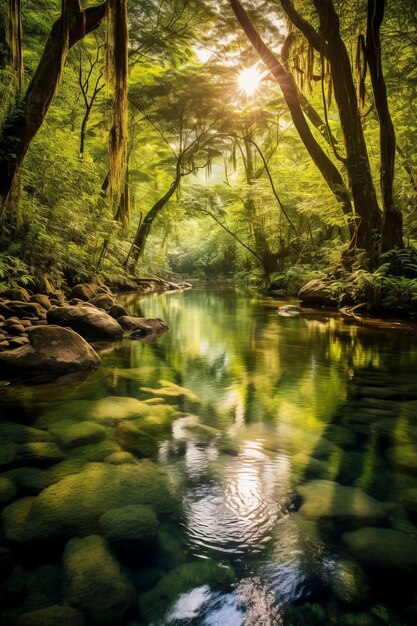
(13, 272)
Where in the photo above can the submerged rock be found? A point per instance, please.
(136, 440)
(289, 310)
(130, 530)
(55, 615)
(383, 548)
(73, 506)
(142, 326)
(51, 349)
(327, 499)
(95, 583)
(348, 582)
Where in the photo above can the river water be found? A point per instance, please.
(288, 449)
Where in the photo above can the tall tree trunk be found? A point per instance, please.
(27, 115)
(11, 38)
(143, 231)
(392, 221)
(325, 165)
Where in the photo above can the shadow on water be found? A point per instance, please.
(288, 446)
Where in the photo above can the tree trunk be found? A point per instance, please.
(11, 38)
(392, 221)
(139, 242)
(27, 115)
(326, 167)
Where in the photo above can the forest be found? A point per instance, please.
(258, 143)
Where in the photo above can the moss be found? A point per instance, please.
(71, 434)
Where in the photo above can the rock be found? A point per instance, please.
(327, 499)
(289, 311)
(348, 582)
(18, 342)
(135, 440)
(43, 588)
(95, 583)
(72, 434)
(73, 506)
(13, 588)
(130, 530)
(87, 321)
(26, 309)
(317, 293)
(83, 291)
(51, 349)
(40, 453)
(8, 490)
(20, 433)
(55, 615)
(41, 299)
(103, 301)
(6, 563)
(142, 326)
(57, 295)
(155, 603)
(104, 289)
(113, 409)
(383, 549)
(15, 329)
(403, 458)
(19, 293)
(118, 458)
(95, 452)
(278, 286)
(117, 311)
(8, 452)
(410, 504)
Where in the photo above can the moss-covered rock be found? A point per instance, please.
(136, 440)
(410, 504)
(8, 452)
(73, 434)
(95, 583)
(20, 433)
(383, 549)
(8, 490)
(327, 499)
(348, 582)
(55, 615)
(130, 530)
(73, 505)
(155, 603)
(12, 588)
(403, 458)
(40, 453)
(96, 452)
(119, 458)
(43, 588)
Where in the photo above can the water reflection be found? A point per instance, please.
(281, 437)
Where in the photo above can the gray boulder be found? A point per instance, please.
(317, 293)
(41, 299)
(94, 581)
(51, 349)
(88, 321)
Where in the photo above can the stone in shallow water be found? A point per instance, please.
(383, 548)
(55, 615)
(72, 434)
(348, 582)
(136, 440)
(8, 490)
(327, 499)
(74, 505)
(129, 529)
(94, 581)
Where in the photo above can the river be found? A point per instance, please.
(286, 448)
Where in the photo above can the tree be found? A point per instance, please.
(372, 234)
(28, 112)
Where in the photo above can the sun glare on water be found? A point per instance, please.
(249, 80)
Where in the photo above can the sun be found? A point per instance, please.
(249, 80)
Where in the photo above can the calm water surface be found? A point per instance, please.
(289, 445)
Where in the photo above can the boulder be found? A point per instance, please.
(347, 581)
(130, 530)
(83, 291)
(328, 499)
(25, 309)
(51, 349)
(383, 549)
(95, 583)
(41, 299)
(73, 434)
(317, 293)
(51, 616)
(104, 289)
(117, 311)
(289, 311)
(8, 490)
(73, 505)
(39, 453)
(12, 589)
(135, 440)
(103, 301)
(142, 326)
(88, 321)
